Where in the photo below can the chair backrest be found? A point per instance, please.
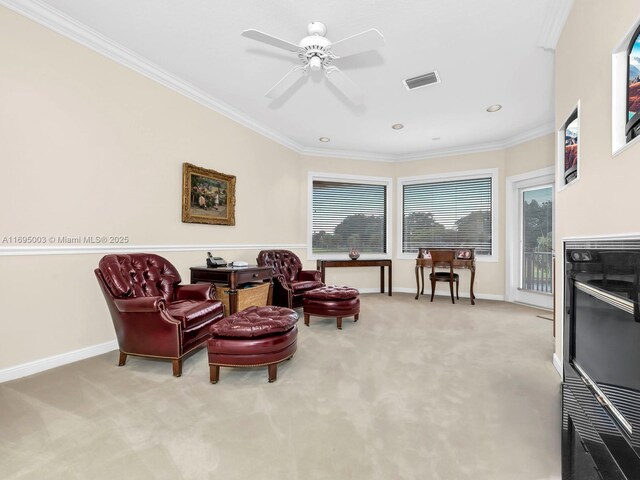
(441, 257)
(139, 275)
(283, 262)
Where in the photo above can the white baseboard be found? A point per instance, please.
(557, 363)
(43, 364)
(479, 296)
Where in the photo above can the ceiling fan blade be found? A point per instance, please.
(344, 84)
(360, 42)
(270, 40)
(286, 82)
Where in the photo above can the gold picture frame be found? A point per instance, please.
(208, 196)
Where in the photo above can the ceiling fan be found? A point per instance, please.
(317, 53)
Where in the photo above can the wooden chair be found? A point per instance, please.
(443, 258)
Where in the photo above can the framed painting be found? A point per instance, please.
(569, 149)
(207, 196)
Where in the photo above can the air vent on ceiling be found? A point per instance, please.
(421, 80)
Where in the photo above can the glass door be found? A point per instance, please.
(536, 246)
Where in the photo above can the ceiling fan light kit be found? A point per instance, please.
(317, 53)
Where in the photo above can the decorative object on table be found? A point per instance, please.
(354, 254)
(569, 149)
(207, 196)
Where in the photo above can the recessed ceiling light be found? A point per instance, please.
(494, 108)
(324, 139)
(397, 126)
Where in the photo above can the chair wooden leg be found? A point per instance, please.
(306, 319)
(339, 322)
(273, 372)
(177, 367)
(457, 288)
(433, 289)
(355, 317)
(453, 300)
(214, 373)
(122, 359)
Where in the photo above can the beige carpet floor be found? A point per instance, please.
(413, 390)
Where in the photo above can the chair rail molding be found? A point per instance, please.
(131, 248)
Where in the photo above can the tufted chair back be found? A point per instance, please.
(284, 262)
(139, 275)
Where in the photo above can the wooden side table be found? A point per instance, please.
(233, 277)
(323, 264)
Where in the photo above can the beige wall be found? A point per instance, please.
(604, 200)
(90, 147)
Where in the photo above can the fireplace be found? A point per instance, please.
(601, 388)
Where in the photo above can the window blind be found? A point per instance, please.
(347, 215)
(451, 213)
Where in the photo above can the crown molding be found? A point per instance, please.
(529, 135)
(509, 142)
(70, 28)
(557, 15)
(74, 30)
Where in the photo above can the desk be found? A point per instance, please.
(465, 258)
(233, 277)
(323, 264)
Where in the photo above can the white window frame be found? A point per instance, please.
(343, 178)
(493, 173)
(619, 83)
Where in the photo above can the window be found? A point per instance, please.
(633, 87)
(348, 212)
(449, 212)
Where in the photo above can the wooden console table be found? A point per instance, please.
(465, 258)
(323, 264)
(233, 277)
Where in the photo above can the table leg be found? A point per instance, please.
(233, 293)
(390, 279)
(270, 294)
(417, 282)
(381, 279)
(422, 275)
(322, 273)
(473, 297)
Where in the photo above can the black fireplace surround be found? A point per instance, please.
(601, 387)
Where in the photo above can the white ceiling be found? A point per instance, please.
(486, 52)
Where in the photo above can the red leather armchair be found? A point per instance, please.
(290, 281)
(152, 314)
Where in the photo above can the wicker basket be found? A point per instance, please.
(248, 295)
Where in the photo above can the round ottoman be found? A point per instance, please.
(332, 301)
(253, 337)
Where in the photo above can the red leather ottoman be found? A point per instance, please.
(332, 301)
(253, 337)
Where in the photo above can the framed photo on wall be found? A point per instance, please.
(568, 155)
(207, 196)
